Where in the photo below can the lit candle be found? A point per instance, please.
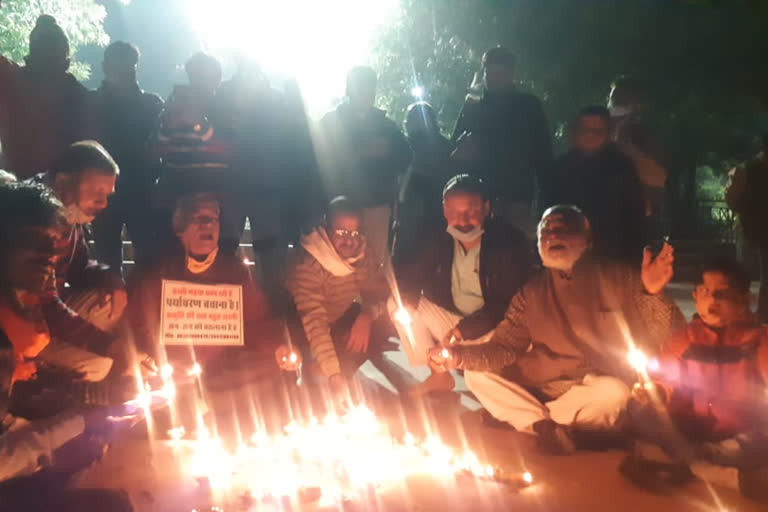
(637, 360)
(403, 317)
(195, 371)
(528, 477)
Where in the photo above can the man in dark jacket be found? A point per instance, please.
(461, 283)
(41, 103)
(122, 118)
(363, 155)
(421, 190)
(600, 179)
(503, 137)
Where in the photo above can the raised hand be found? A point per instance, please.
(657, 272)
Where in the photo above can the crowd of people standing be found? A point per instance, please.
(540, 331)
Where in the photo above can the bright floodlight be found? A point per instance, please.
(417, 91)
(314, 42)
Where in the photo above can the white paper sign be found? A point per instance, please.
(201, 314)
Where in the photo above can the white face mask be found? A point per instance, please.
(75, 215)
(470, 236)
(620, 111)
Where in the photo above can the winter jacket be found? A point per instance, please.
(506, 263)
(40, 116)
(361, 157)
(124, 122)
(607, 189)
(719, 375)
(514, 143)
(261, 331)
(565, 327)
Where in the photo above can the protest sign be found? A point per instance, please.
(201, 314)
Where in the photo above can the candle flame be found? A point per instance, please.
(195, 371)
(528, 477)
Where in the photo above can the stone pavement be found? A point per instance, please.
(586, 481)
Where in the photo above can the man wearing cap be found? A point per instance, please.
(460, 283)
(41, 103)
(558, 360)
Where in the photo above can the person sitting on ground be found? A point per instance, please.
(600, 179)
(340, 293)
(27, 448)
(83, 178)
(558, 360)
(63, 351)
(196, 258)
(459, 285)
(711, 381)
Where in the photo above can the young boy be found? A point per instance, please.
(709, 398)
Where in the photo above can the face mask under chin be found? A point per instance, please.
(469, 236)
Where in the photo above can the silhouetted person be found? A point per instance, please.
(204, 75)
(272, 153)
(41, 103)
(123, 118)
(600, 179)
(421, 190)
(195, 159)
(363, 155)
(503, 137)
(746, 197)
(626, 104)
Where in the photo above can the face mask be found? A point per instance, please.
(75, 215)
(470, 236)
(620, 111)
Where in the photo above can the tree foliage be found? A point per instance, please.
(81, 20)
(701, 61)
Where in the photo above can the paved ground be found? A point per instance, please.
(584, 482)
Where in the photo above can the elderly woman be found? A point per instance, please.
(196, 259)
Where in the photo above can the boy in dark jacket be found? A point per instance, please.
(711, 381)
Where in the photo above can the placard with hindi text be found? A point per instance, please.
(201, 314)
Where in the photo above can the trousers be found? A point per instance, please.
(593, 403)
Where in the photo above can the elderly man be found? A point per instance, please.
(196, 258)
(558, 360)
(459, 285)
(340, 294)
(83, 179)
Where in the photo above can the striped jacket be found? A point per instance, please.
(322, 298)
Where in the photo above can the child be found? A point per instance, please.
(709, 398)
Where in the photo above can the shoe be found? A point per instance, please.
(753, 483)
(554, 439)
(653, 476)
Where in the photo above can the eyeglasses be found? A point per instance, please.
(348, 234)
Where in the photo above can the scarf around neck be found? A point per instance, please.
(320, 247)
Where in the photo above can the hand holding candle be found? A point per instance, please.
(288, 359)
(441, 359)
